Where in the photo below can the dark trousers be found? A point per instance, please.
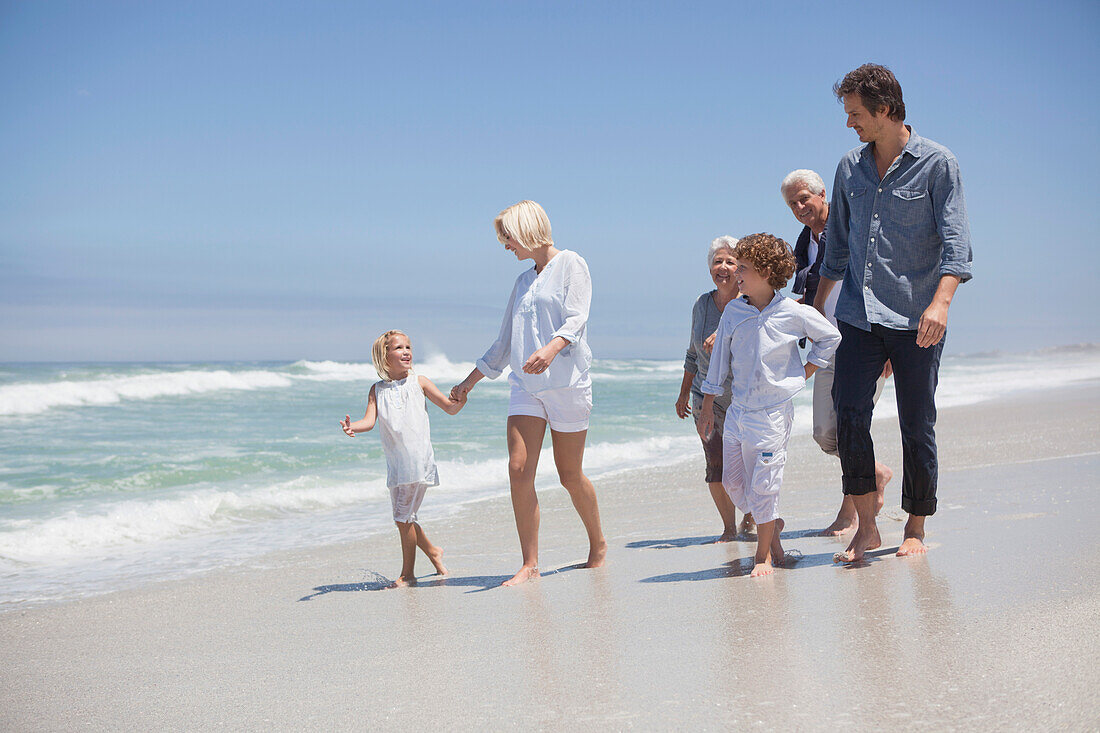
(859, 362)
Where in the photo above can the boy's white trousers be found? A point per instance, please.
(754, 451)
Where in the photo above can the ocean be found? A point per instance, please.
(112, 475)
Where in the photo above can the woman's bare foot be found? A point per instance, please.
(597, 554)
(525, 573)
(761, 568)
(436, 556)
(748, 524)
(883, 474)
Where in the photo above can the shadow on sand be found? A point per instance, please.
(743, 566)
(476, 583)
(713, 539)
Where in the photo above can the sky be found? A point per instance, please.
(211, 181)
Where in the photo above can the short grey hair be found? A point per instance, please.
(806, 177)
(723, 242)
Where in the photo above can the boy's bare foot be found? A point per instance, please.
(597, 554)
(777, 546)
(525, 573)
(864, 540)
(883, 474)
(436, 556)
(748, 524)
(761, 568)
(913, 544)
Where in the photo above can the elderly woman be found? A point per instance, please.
(704, 322)
(543, 339)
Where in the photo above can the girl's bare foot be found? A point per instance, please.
(596, 554)
(729, 534)
(525, 573)
(762, 568)
(748, 524)
(436, 556)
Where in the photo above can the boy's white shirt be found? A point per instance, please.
(761, 350)
(543, 306)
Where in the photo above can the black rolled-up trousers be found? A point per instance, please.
(860, 359)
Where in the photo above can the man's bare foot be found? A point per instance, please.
(912, 546)
(777, 546)
(729, 534)
(761, 568)
(525, 573)
(748, 524)
(403, 581)
(437, 561)
(883, 474)
(864, 540)
(597, 554)
(841, 525)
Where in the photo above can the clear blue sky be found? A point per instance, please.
(207, 181)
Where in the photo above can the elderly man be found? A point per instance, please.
(899, 239)
(804, 192)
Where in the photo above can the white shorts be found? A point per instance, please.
(406, 500)
(754, 452)
(566, 409)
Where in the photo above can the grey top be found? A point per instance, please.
(704, 321)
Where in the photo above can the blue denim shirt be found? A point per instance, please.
(891, 241)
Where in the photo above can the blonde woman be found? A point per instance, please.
(542, 338)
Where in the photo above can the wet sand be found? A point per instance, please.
(997, 627)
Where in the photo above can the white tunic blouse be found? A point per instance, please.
(760, 348)
(543, 306)
(406, 435)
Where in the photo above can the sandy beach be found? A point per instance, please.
(995, 628)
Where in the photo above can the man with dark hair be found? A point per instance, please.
(899, 240)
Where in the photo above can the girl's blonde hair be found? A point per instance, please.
(524, 223)
(381, 350)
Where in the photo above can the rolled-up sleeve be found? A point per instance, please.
(719, 367)
(493, 361)
(825, 336)
(949, 205)
(835, 262)
(577, 301)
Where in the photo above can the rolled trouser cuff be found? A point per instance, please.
(857, 485)
(918, 507)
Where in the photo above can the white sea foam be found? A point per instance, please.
(436, 367)
(31, 398)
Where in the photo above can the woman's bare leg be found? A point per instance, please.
(568, 457)
(525, 434)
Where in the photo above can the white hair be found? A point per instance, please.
(723, 242)
(806, 177)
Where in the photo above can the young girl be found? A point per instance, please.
(757, 340)
(398, 403)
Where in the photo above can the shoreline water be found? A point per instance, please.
(160, 514)
(671, 633)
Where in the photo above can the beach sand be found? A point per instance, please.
(995, 628)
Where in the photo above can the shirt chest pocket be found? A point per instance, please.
(910, 207)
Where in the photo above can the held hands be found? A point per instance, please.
(887, 370)
(345, 424)
(460, 392)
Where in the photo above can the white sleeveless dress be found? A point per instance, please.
(407, 443)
